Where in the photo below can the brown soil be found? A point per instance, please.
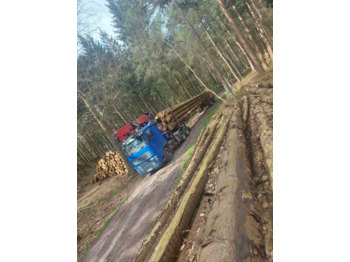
(123, 237)
(95, 204)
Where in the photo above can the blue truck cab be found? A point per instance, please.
(147, 148)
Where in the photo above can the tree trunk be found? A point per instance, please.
(223, 49)
(226, 84)
(230, 60)
(190, 68)
(93, 147)
(222, 56)
(87, 150)
(82, 157)
(246, 55)
(261, 16)
(107, 132)
(119, 114)
(166, 83)
(241, 38)
(238, 61)
(183, 88)
(261, 31)
(255, 45)
(239, 46)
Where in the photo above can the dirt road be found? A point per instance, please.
(122, 238)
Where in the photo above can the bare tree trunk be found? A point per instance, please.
(190, 68)
(101, 123)
(222, 57)
(226, 84)
(240, 64)
(119, 114)
(246, 55)
(230, 60)
(240, 47)
(261, 31)
(82, 157)
(184, 89)
(143, 101)
(92, 146)
(107, 132)
(261, 16)
(87, 149)
(255, 45)
(241, 38)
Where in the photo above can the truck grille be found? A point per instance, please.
(147, 165)
(142, 158)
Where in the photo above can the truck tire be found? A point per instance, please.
(183, 135)
(187, 131)
(168, 154)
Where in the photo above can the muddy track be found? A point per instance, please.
(123, 237)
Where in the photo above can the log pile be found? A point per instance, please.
(173, 117)
(109, 165)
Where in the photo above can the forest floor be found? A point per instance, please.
(97, 203)
(115, 216)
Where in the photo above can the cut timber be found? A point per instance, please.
(180, 113)
(231, 221)
(171, 240)
(111, 164)
(171, 126)
(168, 118)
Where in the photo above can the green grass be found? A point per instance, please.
(188, 157)
(114, 211)
(224, 96)
(207, 119)
(87, 248)
(190, 150)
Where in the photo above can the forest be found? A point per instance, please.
(164, 52)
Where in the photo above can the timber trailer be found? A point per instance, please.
(149, 142)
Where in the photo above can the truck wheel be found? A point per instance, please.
(183, 134)
(187, 131)
(168, 154)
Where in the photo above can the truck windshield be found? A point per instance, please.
(134, 145)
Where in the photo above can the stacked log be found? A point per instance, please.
(109, 165)
(173, 117)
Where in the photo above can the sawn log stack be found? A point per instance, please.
(111, 164)
(173, 117)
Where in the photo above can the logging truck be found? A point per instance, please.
(149, 142)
